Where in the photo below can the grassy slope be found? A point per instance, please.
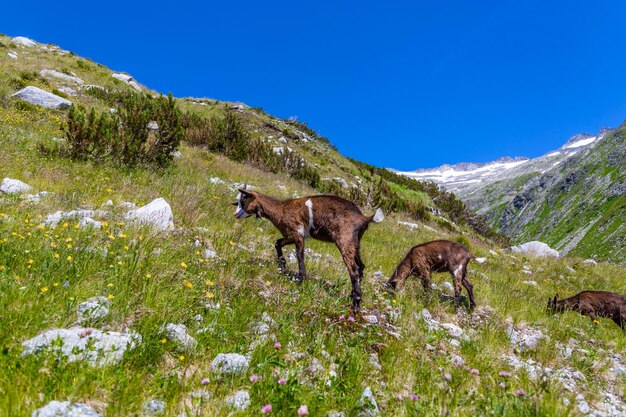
(148, 290)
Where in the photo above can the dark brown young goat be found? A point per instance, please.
(436, 256)
(323, 217)
(593, 304)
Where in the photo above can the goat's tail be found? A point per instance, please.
(378, 217)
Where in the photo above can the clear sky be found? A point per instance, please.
(407, 85)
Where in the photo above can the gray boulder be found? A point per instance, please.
(368, 404)
(93, 346)
(535, 248)
(239, 400)
(12, 55)
(178, 334)
(153, 407)
(127, 79)
(230, 364)
(35, 95)
(94, 309)
(65, 409)
(11, 186)
(21, 40)
(55, 218)
(47, 73)
(157, 214)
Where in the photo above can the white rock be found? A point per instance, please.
(535, 248)
(89, 222)
(493, 252)
(282, 139)
(11, 186)
(65, 409)
(34, 198)
(208, 253)
(127, 79)
(21, 40)
(480, 260)
(448, 287)
(157, 214)
(55, 218)
(94, 309)
(583, 407)
(368, 404)
(12, 55)
(588, 262)
(374, 361)
(230, 364)
(154, 407)
(35, 95)
(524, 339)
(176, 154)
(153, 125)
(409, 225)
(372, 319)
(178, 334)
(47, 73)
(93, 346)
(531, 283)
(240, 400)
(216, 180)
(454, 330)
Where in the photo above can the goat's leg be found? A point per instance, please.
(456, 280)
(424, 275)
(282, 265)
(300, 256)
(348, 253)
(469, 287)
(359, 262)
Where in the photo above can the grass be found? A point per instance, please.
(153, 279)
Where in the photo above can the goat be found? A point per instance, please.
(593, 304)
(436, 256)
(323, 217)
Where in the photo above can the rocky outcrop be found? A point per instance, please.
(157, 214)
(65, 409)
(35, 95)
(11, 186)
(535, 248)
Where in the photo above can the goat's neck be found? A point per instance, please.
(271, 209)
(567, 304)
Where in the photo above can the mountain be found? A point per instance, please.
(129, 288)
(569, 198)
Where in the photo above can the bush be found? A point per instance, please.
(125, 137)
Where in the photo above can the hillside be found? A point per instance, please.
(569, 198)
(296, 348)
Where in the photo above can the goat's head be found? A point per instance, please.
(552, 306)
(247, 204)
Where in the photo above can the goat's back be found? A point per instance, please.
(600, 297)
(441, 253)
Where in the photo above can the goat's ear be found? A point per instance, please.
(555, 298)
(234, 204)
(244, 192)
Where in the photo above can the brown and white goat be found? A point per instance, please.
(593, 304)
(436, 256)
(323, 217)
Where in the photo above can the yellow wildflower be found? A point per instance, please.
(110, 285)
(44, 289)
(110, 296)
(181, 358)
(164, 341)
(209, 282)
(56, 255)
(183, 264)
(148, 275)
(69, 258)
(210, 295)
(187, 284)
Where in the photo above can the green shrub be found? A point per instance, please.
(59, 93)
(124, 137)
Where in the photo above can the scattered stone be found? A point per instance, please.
(368, 404)
(588, 262)
(457, 360)
(493, 252)
(23, 41)
(176, 154)
(371, 319)
(89, 222)
(240, 400)
(178, 334)
(229, 364)
(65, 409)
(454, 331)
(374, 361)
(35, 95)
(216, 180)
(153, 407)
(282, 139)
(480, 260)
(94, 309)
(535, 248)
(531, 283)
(127, 79)
(34, 198)
(12, 55)
(11, 186)
(524, 338)
(152, 125)
(55, 218)
(448, 287)
(93, 346)
(157, 214)
(200, 394)
(47, 73)
(409, 225)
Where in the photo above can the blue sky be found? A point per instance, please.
(396, 84)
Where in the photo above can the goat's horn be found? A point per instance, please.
(245, 186)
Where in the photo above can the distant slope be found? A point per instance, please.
(510, 191)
